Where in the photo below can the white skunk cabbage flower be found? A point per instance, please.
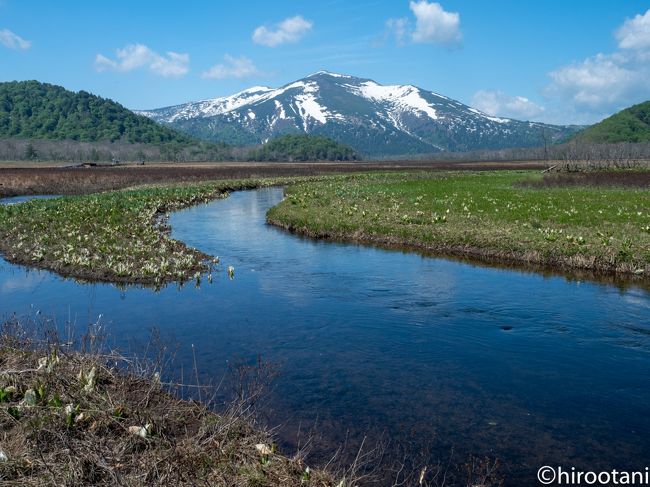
(263, 449)
(141, 431)
(88, 379)
(47, 363)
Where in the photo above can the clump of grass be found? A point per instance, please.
(487, 216)
(72, 418)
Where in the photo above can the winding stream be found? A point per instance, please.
(430, 352)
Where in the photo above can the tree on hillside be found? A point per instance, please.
(30, 153)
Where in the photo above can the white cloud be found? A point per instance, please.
(135, 56)
(434, 24)
(231, 68)
(499, 104)
(635, 33)
(598, 86)
(601, 81)
(13, 41)
(593, 88)
(398, 28)
(290, 30)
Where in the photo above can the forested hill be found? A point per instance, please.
(302, 147)
(629, 125)
(34, 110)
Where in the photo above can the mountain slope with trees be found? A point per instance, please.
(30, 109)
(629, 125)
(42, 121)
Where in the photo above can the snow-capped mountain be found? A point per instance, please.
(373, 118)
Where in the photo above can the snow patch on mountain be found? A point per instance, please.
(329, 73)
(216, 106)
(308, 107)
(489, 117)
(307, 103)
(400, 96)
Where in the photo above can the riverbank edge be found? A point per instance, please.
(95, 418)
(533, 261)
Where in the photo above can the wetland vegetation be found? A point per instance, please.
(116, 236)
(510, 216)
(72, 416)
(507, 213)
(506, 216)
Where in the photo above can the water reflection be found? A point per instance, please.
(14, 200)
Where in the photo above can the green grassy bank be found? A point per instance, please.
(490, 216)
(117, 236)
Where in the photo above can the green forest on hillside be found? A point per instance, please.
(29, 109)
(629, 125)
(303, 148)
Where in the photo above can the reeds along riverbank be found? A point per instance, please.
(86, 417)
(76, 413)
(37, 178)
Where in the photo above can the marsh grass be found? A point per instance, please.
(118, 236)
(606, 179)
(79, 414)
(507, 216)
(34, 178)
(490, 216)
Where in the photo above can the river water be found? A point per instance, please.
(429, 353)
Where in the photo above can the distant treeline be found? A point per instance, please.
(617, 155)
(285, 148)
(575, 150)
(303, 148)
(105, 151)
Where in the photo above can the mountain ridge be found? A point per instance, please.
(631, 125)
(32, 109)
(374, 119)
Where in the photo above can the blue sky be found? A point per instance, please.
(555, 61)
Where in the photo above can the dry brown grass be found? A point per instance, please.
(33, 179)
(77, 414)
(611, 179)
(85, 418)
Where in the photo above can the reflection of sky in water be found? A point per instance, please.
(14, 200)
(536, 370)
(23, 281)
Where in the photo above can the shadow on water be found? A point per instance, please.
(536, 370)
